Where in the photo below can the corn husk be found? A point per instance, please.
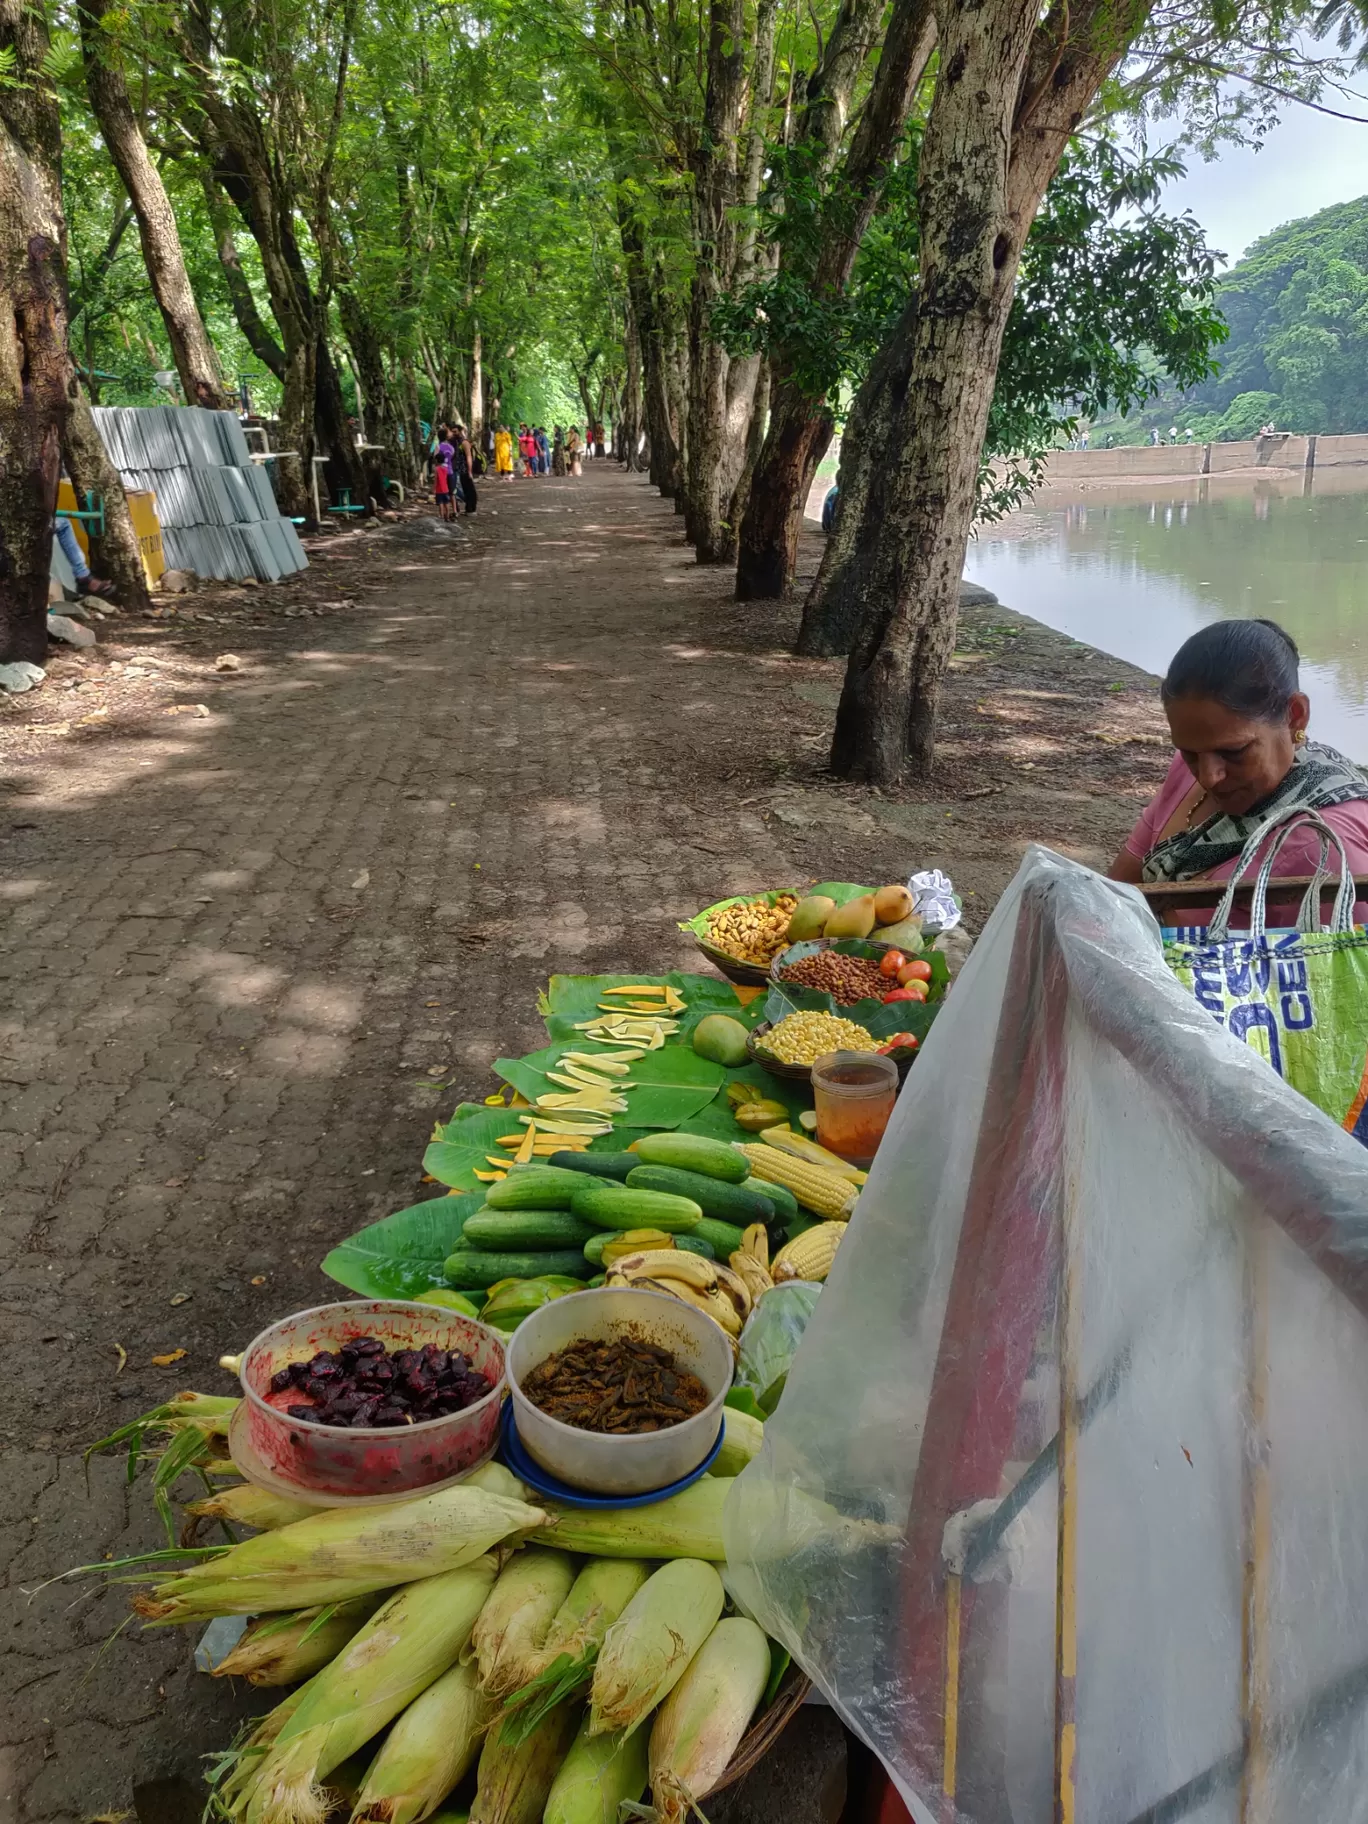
(687, 1525)
(341, 1553)
(647, 1649)
(405, 1647)
(565, 1664)
(282, 1649)
(494, 1479)
(513, 1781)
(742, 1438)
(599, 1774)
(247, 1505)
(232, 1773)
(426, 1753)
(514, 1622)
(697, 1728)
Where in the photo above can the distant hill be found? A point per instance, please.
(1297, 306)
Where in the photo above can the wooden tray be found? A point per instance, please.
(793, 1073)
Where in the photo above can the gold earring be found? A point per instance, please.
(1298, 737)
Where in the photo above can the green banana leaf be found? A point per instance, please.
(672, 1084)
(403, 1255)
(459, 1149)
(838, 890)
(568, 999)
(875, 1016)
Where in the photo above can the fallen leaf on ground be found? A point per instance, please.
(362, 880)
(122, 1354)
(182, 1298)
(259, 1279)
(165, 1361)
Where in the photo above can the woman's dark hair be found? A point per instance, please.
(1248, 667)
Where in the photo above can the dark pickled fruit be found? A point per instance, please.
(363, 1385)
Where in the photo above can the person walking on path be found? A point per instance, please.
(465, 468)
(527, 449)
(573, 450)
(543, 451)
(86, 584)
(503, 452)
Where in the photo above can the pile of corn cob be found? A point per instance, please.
(549, 1663)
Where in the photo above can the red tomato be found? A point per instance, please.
(915, 971)
(891, 962)
(902, 994)
(904, 1041)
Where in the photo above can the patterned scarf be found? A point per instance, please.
(1319, 776)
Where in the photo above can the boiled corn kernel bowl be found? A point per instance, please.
(792, 1073)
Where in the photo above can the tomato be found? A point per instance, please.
(915, 971)
(891, 962)
(901, 1041)
(902, 994)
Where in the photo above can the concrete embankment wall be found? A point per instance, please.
(1283, 453)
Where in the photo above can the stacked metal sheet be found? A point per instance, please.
(217, 510)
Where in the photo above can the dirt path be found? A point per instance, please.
(263, 924)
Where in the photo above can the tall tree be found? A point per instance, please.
(35, 372)
(817, 256)
(107, 87)
(1011, 89)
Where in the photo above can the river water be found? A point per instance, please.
(1135, 569)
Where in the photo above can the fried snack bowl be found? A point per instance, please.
(620, 1465)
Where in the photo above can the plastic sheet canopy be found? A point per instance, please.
(1065, 1507)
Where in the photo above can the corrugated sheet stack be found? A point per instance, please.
(218, 512)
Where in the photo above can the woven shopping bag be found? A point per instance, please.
(1298, 997)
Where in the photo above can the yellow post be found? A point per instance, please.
(950, 1761)
(1257, 1532)
(1066, 1611)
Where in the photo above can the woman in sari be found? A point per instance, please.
(1238, 717)
(503, 452)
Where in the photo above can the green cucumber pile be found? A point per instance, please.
(543, 1229)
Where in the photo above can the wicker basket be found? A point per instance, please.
(747, 975)
(765, 1731)
(792, 1073)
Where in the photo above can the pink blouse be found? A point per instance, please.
(1298, 855)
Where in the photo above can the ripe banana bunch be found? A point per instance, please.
(750, 1262)
(705, 1284)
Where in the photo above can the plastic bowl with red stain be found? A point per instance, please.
(344, 1463)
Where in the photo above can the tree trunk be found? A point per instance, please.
(477, 409)
(114, 553)
(34, 368)
(630, 429)
(333, 429)
(768, 544)
(758, 407)
(835, 603)
(240, 296)
(1008, 96)
(191, 350)
(797, 440)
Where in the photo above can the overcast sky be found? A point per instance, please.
(1308, 162)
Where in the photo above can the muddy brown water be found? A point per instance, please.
(1135, 570)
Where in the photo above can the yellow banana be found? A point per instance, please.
(755, 1243)
(691, 1268)
(732, 1286)
(748, 1268)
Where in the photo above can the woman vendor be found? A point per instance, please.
(1238, 717)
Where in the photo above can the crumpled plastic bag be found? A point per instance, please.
(771, 1337)
(933, 900)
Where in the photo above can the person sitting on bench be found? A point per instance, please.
(86, 584)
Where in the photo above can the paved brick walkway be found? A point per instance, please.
(249, 956)
(246, 964)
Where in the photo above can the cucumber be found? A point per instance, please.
(533, 1187)
(724, 1238)
(615, 1206)
(694, 1243)
(694, 1153)
(780, 1197)
(511, 1231)
(479, 1267)
(736, 1203)
(598, 1165)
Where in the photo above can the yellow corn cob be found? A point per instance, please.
(784, 1140)
(816, 1189)
(809, 1256)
